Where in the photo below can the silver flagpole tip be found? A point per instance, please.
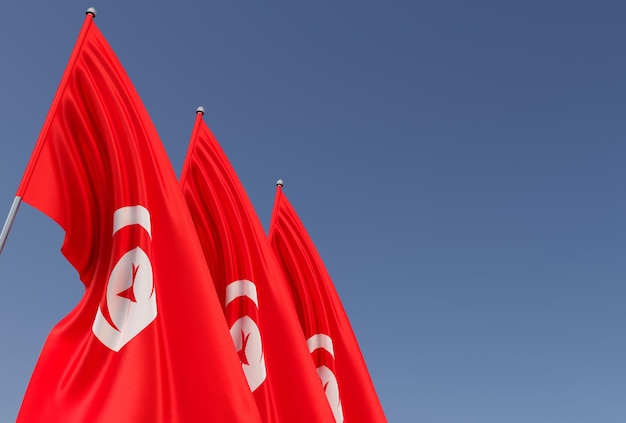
(280, 183)
(91, 11)
(200, 109)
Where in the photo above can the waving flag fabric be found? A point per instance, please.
(252, 287)
(148, 342)
(329, 335)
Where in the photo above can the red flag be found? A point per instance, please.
(148, 341)
(250, 282)
(329, 335)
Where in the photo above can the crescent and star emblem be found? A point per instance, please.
(129, 303)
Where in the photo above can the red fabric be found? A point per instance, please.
(321, 312)
(98, 152)
(236, 248)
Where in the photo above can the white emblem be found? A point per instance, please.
(246, 334)
(327, 376)
(130, 304)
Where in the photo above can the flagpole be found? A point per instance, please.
(9, 222)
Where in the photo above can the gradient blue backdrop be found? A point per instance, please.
(459, 165)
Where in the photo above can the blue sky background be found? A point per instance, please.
(459, 165)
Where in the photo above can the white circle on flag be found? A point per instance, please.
(247, 339)
(331, 388)
(130, 301)
(121, 308)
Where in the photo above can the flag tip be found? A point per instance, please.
(200, 109)
(91, 11)
(280, 183)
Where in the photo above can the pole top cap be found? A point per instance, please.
(200, 109)
(280, 183)
(91, 11)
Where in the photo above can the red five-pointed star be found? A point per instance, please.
(130, 292)
(242, 351)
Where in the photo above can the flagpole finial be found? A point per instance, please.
(91, 11)
(200, 109)
(280, 183)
